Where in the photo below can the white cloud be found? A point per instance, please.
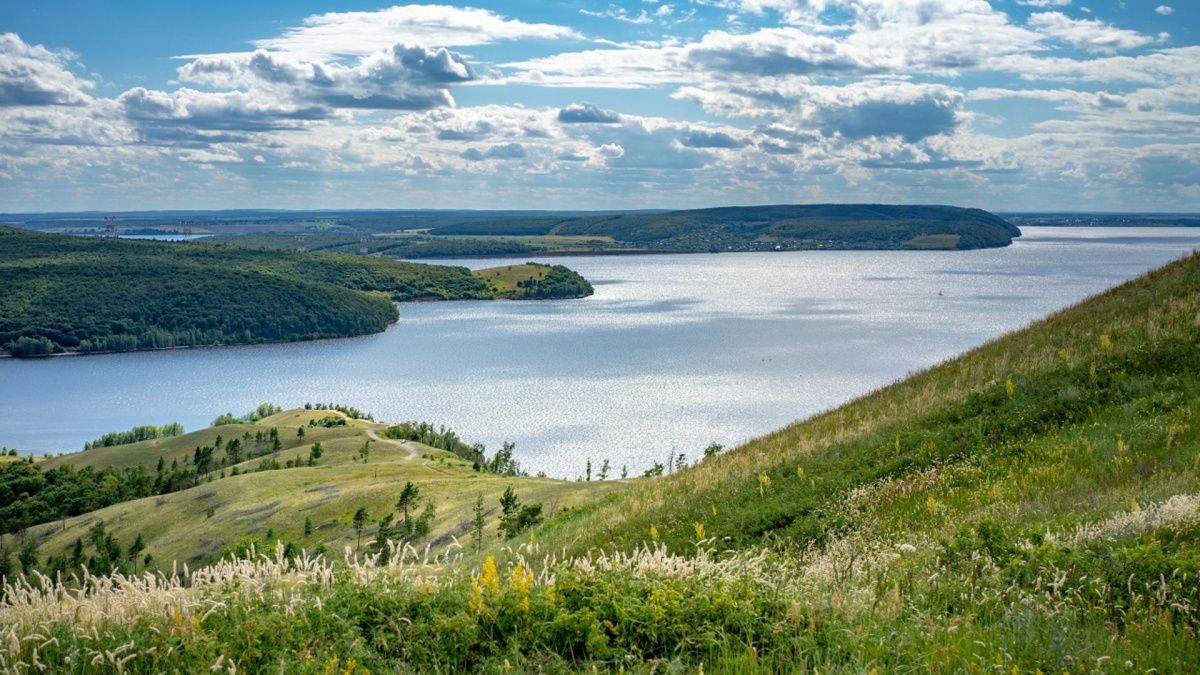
(1090, 34)
(587, 113)
(400, 77)
(621, 14)
(31, 75)
(891, 37)
(855, 111)
(1177, 66)
(362, 33)
(1165, 10)
(1044, 3)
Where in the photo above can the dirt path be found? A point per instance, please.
(403, 445)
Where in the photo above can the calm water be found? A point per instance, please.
(673, 352)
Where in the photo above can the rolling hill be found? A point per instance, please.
(778, 227)
(240, 501)
(86, 294)
(1031, 506)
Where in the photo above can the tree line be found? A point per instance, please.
(139, 433)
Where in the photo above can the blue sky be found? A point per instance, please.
(1007, 105)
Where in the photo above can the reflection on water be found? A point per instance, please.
(672, 353)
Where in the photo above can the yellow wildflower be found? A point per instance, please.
(800, 469)
(1008, 386)
(475, 604)
(931, 504)
(764, 482)
(654, 533)
(489, 578)
(1105, 342)
(699, 531)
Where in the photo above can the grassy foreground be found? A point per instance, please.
(1033, 506)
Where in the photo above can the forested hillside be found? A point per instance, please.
(86, 294)
(787, 227)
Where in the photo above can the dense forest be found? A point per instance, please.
(788, 227)
(407, 247)
(86, 294)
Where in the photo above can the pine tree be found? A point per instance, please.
(477, 523)
(135, 548)
(410, 496)
(360, 521)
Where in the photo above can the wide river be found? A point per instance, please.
(671, 353)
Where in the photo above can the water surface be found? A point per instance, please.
(673, 351)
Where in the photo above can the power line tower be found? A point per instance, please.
(364, 244)
(110, 226)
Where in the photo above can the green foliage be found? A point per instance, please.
(516, 517)
(839, 226)
(349, 411)
(263, 410)
(407, 502)
(30, 496)
(328, 422)
(440, 438)
(136, 434)
(93, 294)
(360, 520)
(393, 247)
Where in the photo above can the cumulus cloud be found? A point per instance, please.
(1165, 10)
(856, 111)
(912, 112)
(1171, 167)
(1090, 34)
(158, 111)
(31, 75)
(587, 113)
(363, 33)
(400, 77)
(901, 37)
(779, 51)
(96, 124)
(703, 138)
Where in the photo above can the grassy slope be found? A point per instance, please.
(176, 526)
(503, 280)
(1045, 456)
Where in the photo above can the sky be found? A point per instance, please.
(1009, 105)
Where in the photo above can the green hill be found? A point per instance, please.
(86, 294)
(534, 281)
(786, 227)
(238, 500)
(1032, 506)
